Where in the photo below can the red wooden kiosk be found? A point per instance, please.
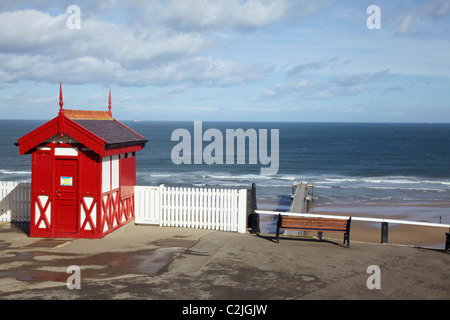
(83, 174)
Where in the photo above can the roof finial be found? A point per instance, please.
(60, 98)
(109, 103)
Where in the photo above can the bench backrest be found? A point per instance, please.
(314, 223)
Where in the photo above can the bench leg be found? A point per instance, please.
(347, 239)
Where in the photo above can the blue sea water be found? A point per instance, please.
(359, 164)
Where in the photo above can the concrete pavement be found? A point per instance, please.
(151, 262)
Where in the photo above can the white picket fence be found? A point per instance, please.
(204, 208)
(15, 201)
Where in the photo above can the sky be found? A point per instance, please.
(228, 60)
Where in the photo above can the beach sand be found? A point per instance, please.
(371, 232)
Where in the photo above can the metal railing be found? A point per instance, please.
(384, 222)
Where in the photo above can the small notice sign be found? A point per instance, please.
(66, 181)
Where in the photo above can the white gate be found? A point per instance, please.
(147, 204)
(216, 209)
(15, 201)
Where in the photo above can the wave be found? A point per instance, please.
(440, 182)
(10, 172)
(382, 188)
(328, 187)
(339, 180)
(153, 175)
(317, 180)
(220, 176)
(381, 180)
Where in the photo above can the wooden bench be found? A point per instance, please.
(314, 224)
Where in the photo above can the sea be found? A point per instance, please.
(373, 169)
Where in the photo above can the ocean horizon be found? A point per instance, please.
(368, 166)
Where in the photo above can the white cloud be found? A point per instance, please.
(206, 14)
(35, 32)
(359, 79)
(183, 109)
(163, 43)
(405, 24)
(421, 18)
(31, 30)
(280, 52)
(326, 89)
(38, 47)
(317, 65)
(306, 89)
(259, 110)
(201, 70)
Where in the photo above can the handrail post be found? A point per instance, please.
(253, 217)
(384, 232)
(447, 241)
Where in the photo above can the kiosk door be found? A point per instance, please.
(66, 209)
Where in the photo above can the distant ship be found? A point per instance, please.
(137, 120)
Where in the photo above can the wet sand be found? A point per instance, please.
(371, 232)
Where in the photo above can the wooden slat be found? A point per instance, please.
(313, 223)
(315, 229)
(293, 223)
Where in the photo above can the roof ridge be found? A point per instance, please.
(87, 114)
